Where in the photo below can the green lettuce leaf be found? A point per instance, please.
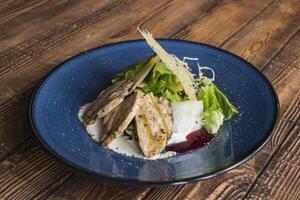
(152, 75)
(162, 82)
(131, 72)
(212, 120)
(157, 78)
(217, 107)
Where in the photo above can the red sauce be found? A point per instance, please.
(194, 140)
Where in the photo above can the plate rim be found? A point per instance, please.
(135, 182)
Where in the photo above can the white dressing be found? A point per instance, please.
(122, 144)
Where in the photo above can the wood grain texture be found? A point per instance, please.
(32, 174)
(170, 192)
(264, 37)
(221, 23)
(38, 35)
(280, 179)
(12, 9)
(13, 134)
(28, 172)
(79, 188)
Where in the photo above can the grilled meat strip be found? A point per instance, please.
(107, 100)
(154, 124)
(121, 117)
(166, 111)
(107, 121)
(114, 95)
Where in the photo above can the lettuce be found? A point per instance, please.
(159, 80)
(212, 120)
(152, 75)
(217, 107)
(162, 82)
(133, 70)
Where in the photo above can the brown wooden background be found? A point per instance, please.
(37, 35)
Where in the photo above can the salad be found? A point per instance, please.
(157, 107)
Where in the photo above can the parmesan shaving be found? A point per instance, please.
(177, 66)
(207, 68)
(189, 58)
(184, 64)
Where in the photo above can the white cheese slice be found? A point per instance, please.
(186, 119)
(174, 64)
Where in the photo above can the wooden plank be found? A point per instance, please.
(186, 13)
(79, 188)
(277, 180)
(221, 23)
(13, 134)
(169, 192)
(61, 30)
(29, 171)
(38, 20)
(31, 174)
(262, 39)
(16, 8)
(280, 180)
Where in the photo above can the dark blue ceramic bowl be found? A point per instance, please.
(57, 99)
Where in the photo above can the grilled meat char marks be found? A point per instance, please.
(153, 123)
(121, 117)
(119, 104)
(165, 108)
(107, 121)
(107, 100)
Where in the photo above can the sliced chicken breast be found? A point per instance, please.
(107, 100)
(154, 124)
(121, 118)
(166, 111)
(107, 120)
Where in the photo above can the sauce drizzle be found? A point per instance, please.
(194, 140)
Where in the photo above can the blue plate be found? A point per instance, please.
(57, 99)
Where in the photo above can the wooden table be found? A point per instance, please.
(37, 35)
